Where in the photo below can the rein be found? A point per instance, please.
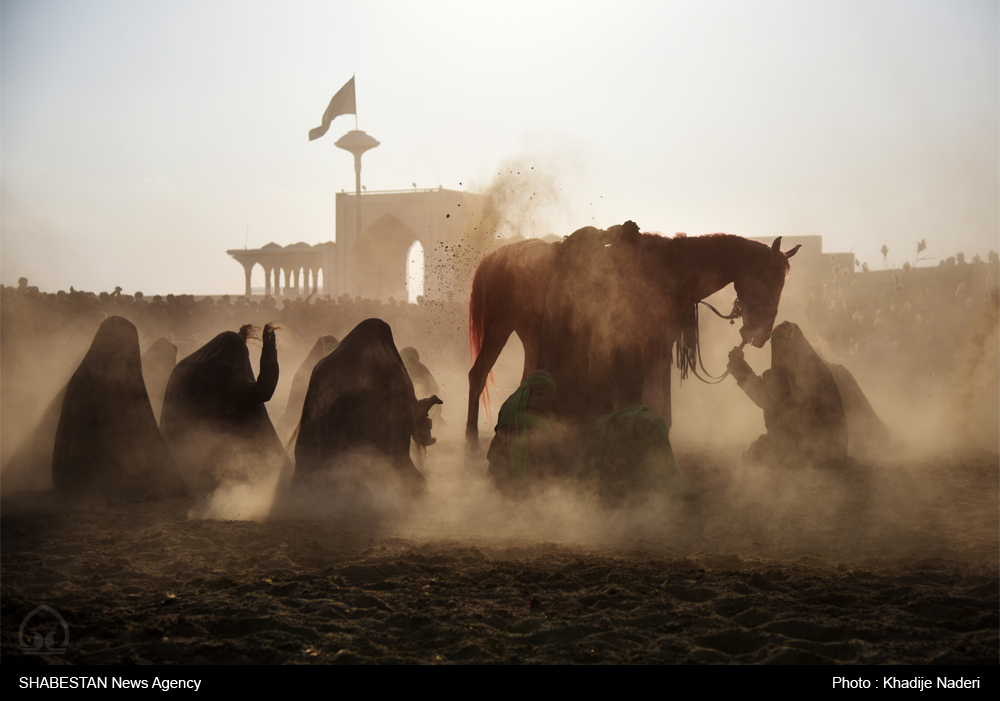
(688, 353)
(689, 346)
(736, 313)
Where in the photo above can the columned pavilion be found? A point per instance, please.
(300, 263)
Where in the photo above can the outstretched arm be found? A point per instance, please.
(267, 379)
(748, 381)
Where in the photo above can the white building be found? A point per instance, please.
(402, 231)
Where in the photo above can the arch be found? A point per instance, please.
(414, 272)
(381, 256)
(257, 278)
(314, 277)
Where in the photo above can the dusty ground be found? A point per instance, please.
(893, 564)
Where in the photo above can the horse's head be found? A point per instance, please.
(759, 290)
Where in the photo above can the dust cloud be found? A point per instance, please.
(925, 356)
(738, 506)
(524, 199)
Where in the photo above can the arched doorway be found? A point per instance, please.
(382, 257)
(415, 272)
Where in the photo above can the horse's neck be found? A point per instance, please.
(703, 265)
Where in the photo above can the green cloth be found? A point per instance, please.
(629, 452)
(515, 419)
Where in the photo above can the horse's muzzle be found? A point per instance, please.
(756, 339)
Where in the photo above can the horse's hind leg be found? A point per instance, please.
(493, 344)
(528, 331)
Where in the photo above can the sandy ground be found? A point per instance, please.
(894, 563)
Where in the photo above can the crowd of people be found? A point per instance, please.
(35, 322)
(886, 322)
(917, 312)
(868, 316)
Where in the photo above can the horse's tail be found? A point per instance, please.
(477, 323)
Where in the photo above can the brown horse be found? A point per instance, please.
(508, 296)
(643, 299)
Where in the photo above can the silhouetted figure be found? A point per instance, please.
(803, 411)
(867, 434)
(528, 444)
(157, 363)
(360, 414)
(214, 419)
(628, 454)
(424, 384)
(300, 383)
(107, 443)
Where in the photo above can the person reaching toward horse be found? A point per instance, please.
(803, 411)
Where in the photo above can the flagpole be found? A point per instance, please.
(357, 181)
(357, 142)
(357, 191)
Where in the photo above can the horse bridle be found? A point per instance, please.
(737, 306)
(732, 316)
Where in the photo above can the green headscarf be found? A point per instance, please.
(514, 417)
(629, 451)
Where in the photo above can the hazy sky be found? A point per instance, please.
(139, 140)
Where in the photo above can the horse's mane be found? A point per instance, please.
(724, 247)
(681, 251)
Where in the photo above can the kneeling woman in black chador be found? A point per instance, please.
(214, 419)
(361, 416)
(803, 411)
(107, 443)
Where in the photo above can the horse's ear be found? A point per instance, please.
(791, 252)
(776, 246)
